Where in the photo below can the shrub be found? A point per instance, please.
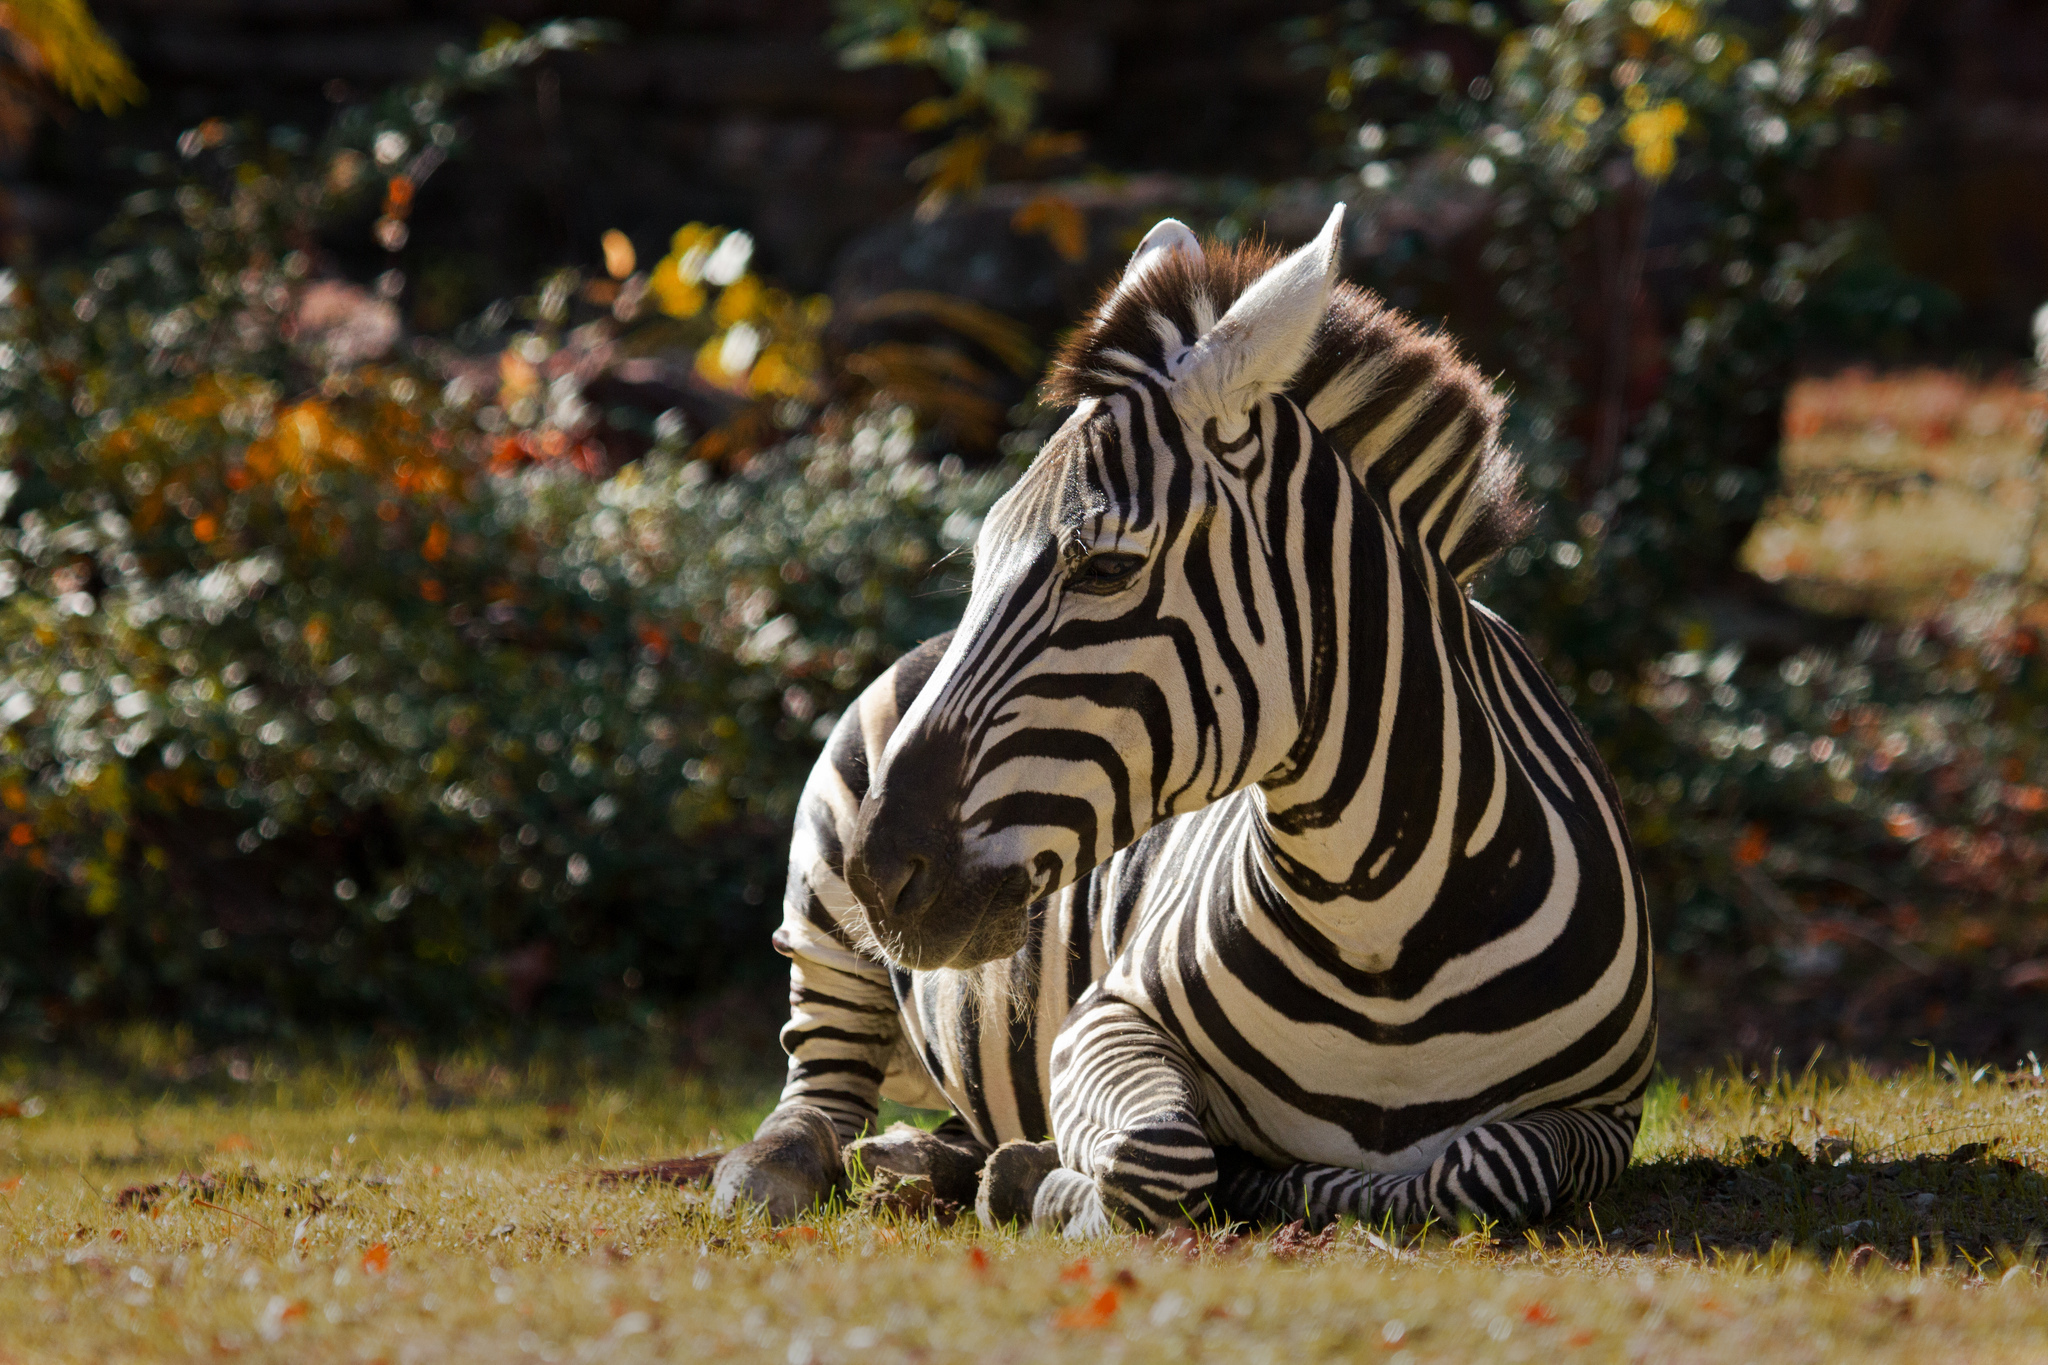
(343, 688)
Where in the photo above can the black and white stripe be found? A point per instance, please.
(1236, 847)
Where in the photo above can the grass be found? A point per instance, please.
(400, 1216)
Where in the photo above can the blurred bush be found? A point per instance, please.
(350, 682)
(1810, 796)
(424, 682)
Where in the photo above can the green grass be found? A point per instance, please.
(390, 1213)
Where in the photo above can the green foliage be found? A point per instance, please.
(990, 105)
(409, 688)
(325, 702)
(1636, 172)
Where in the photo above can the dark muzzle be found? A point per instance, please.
(905, 867)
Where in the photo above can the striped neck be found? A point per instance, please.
(1356, 832)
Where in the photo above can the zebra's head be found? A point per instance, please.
(1140, 637)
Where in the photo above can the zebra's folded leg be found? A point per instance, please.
(949, 1160)
(1511, 1172)
(1125, 1106)
(1010, 1182)
(792, 1162)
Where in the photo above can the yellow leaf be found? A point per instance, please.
(73, 51)
(674, 295)
(925, 114)
(1675, 21)
(743, 300)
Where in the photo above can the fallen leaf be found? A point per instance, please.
(1538, 1312)
(797, 1234)
(1095, 1313)
(1079, 1270)
(978, 1260)
(377, 1259)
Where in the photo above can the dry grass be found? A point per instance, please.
(400, 1218)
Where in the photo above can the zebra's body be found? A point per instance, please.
(1348, 922)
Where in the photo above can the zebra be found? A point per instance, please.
(1229, 859)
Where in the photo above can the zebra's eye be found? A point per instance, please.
(1106, 572)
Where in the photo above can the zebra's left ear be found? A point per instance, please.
(1256, 347)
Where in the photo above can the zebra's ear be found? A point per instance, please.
(1167, 236)
(1256, 347)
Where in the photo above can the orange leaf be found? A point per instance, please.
(293, 1312)
(1079, 1270)
(1095, 1313)
(797, 1234)
(1538, 1312)
(377, 1259)
(1060, 219)
(618, 254)
(976, 1257)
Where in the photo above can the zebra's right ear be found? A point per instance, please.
(1167, 236)
(1256, 347)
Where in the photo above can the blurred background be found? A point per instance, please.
(458, 463)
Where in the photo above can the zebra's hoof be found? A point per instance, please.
(1010, 1181)
(792, 1162)
(908, 1152)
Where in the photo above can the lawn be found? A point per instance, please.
(326, 1212)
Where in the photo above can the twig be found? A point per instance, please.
(1773, 898)
(1621, 332)
(232, 1214)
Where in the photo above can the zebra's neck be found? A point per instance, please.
(1356, 837)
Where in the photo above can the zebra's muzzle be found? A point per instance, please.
(905, 865)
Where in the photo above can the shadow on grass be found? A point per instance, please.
(1970, 1203)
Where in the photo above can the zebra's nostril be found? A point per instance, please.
(899, 886)
(915, 891)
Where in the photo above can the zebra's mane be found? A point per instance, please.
(1418, 422)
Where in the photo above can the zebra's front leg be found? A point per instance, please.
(1512, 1172)
(1126, 1117)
